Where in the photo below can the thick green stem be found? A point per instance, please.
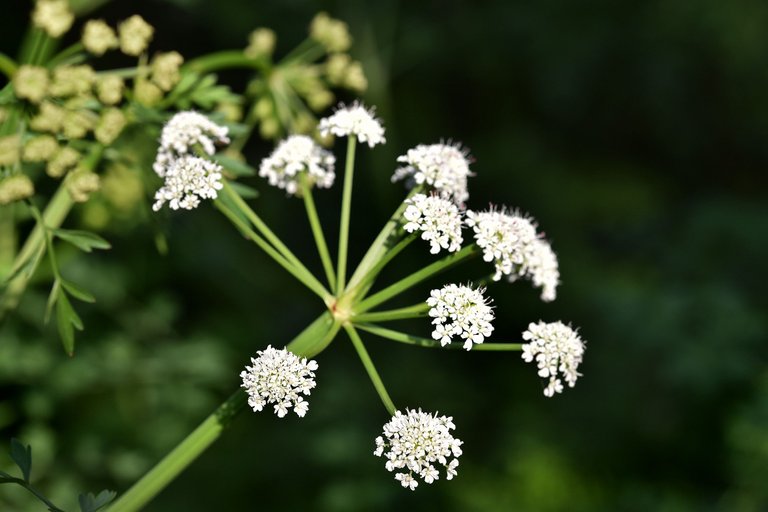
(420, 341)
(415, 278)
(371, 369)
(53, 216)
(317, 232)
(180, 457)
(415, 311)
(303, 277)
(346, 203)
(318, 334)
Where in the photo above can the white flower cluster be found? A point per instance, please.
(541, 267)
(460, 311)
(354, 120)
(279, 377)
(188, 178)
(416, 442)
(438, 219)
(294, 155)
(443, 167)
(511, 242)
(556, 348)
(185, 131)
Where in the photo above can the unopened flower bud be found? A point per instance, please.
(40, 148)
(31, 83)
(261, 43)
(165, 69)
(332, 34)
(65, 159)
(81, 184)
(98, 37)
(15, 188)
(110, 125)
(53, 16)
(109, 89)
(135, 35)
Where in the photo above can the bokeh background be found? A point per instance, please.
(635, 132)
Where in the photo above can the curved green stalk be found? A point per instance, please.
(346, 202)
(225, 59)
(415, 278)
(420, 341)
(317, 231)
(7, 66)
(371, 369)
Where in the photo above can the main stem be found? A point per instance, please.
(346, 203)
(318, 334)
(181, 456)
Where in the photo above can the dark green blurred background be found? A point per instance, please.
(635, 132)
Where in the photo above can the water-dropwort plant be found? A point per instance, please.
(66, 122)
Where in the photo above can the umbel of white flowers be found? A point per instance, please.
(415, 444)
(557, 350)
(460, 311)
(296, 155)
(281, 378)
(186, 141)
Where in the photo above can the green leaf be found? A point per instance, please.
(67, 321)
(26, 269)
(91, 503)
(235, 166)
(83, 240)
(78, 292)
(22, 456)
(52, 298)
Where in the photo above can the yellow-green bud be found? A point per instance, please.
(135, 35)
(165, 69)
(64, 160)
(147, 93)
(81, 184)
(336, 67)
(332, 34)
(110, 125)
(109, 89)
(53, 16)
(72, 80)
(49, 118)
(40, 148)
(264, 108)
(304, 123)
(15, 188)
(320, 99)
(261, 43)
(122, 187)
(233, 112)
(77, 123)
(269, 128)
(98, 37)
(10, 149)
(31, 83)
(355, 79)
